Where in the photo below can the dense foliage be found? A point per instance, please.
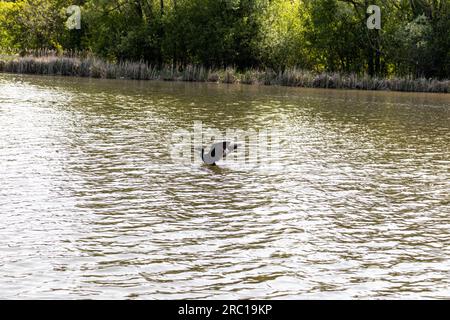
(319, 35)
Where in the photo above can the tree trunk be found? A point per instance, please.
(377, 54)
(138, 7)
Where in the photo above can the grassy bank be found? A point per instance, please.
(89, 66)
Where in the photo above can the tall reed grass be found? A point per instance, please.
(86, 65)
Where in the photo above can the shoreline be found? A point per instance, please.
(92, 67)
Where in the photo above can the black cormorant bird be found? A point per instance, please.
(217, 152)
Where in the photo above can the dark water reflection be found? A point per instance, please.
(92, 206)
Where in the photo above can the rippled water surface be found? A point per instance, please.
(92, 206)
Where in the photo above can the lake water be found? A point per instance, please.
(356, 203)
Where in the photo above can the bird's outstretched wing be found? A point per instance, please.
(218, 151)
(230, 148)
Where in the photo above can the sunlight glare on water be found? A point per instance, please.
(91, 205)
